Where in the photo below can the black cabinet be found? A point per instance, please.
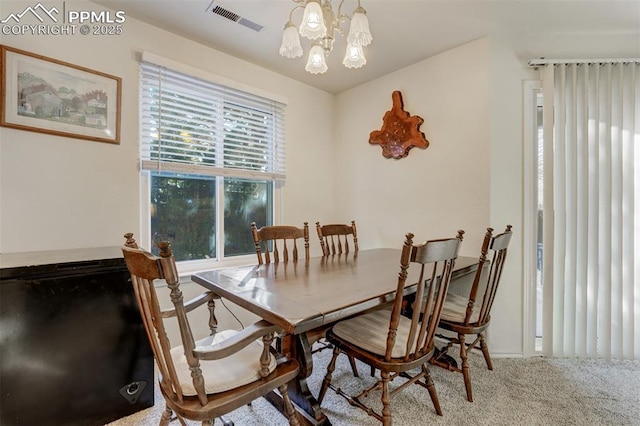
(73, 350)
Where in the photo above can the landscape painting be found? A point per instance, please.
(50, 96)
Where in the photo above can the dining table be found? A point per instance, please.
(310, 295)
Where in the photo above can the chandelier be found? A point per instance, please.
(320, 23)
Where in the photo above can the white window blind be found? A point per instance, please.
(191, 125)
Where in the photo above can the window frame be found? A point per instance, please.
(145, 237)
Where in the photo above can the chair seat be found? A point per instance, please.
(455, 309)
(222, 374)
(364, 331)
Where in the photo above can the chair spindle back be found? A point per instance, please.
(279, 242)
(485, 285)
(436, 259)
(145, 268)
(334, 238)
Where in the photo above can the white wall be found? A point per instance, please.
(58, 192)
(432, 192)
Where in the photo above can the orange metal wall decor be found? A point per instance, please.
(400, 131)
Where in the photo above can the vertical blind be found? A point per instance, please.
(191, 125)
(591, 219)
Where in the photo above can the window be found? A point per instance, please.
(539, 215)
(533, 207)
(211, 158)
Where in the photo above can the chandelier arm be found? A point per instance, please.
(294, 9)
(340, 14)
(341, 18)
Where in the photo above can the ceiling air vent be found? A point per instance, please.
(224, 12)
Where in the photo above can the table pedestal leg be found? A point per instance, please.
(298, 347)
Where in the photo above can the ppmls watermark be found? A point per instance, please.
(40, 20)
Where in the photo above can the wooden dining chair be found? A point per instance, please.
(408, 343)
(471, 314)
(208, 378)
(334, 238)
(280, 242)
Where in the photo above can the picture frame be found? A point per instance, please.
(42, 94)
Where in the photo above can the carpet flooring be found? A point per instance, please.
(533, 392)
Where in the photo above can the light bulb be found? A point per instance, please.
(354, 56)
(312, 25)
(316, 63)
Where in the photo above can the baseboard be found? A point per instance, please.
(497, 355)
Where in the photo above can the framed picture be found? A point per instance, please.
(45, 95)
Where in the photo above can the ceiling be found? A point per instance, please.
(404, 31)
